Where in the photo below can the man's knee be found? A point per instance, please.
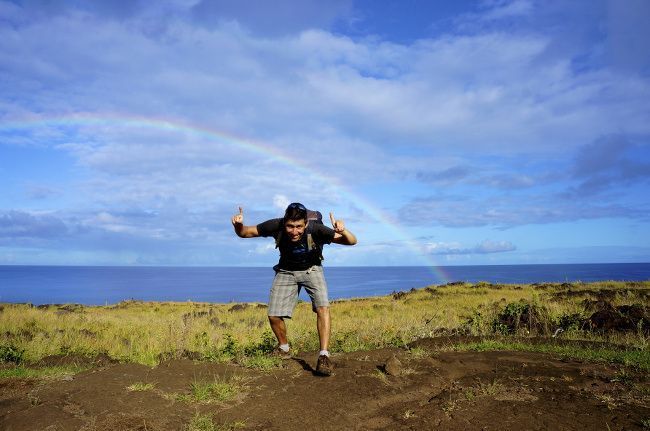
(276, 319)
(322, 310)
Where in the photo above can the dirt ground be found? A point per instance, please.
(429, 390)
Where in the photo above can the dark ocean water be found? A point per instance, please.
(100, 285)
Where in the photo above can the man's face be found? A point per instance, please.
(295, 229)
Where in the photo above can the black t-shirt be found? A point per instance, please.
(295, 256)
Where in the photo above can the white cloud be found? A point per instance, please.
(21, 224)
(507, 9)
(386, 92)
(488, 246)
(264, 248)
(456, 248)
(283, 17)
(281, 202)
(506, 211)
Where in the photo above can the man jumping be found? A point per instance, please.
(300, 240)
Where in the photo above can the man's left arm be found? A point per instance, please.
(341, 234)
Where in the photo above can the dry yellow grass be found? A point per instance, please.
(146, 332)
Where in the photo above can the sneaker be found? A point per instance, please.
(324, 366)
(279, 353)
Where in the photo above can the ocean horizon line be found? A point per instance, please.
(327, 266)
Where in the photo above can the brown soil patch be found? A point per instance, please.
(78, 360)
(433, 390)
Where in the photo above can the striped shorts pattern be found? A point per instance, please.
(286, 287)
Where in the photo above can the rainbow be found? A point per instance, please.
(179, 126)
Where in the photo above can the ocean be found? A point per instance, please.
(100, 285)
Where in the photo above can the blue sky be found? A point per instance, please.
(443, 133)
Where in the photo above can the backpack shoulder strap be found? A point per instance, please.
(311, 244)
(278, 237)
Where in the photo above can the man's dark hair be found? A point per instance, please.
(295, 211)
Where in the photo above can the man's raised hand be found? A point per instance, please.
(238, 218)
(338, 225)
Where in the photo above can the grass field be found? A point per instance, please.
(508, 316)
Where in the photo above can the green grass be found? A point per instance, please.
(491, 388)
(639, 359)
(201, 423)
(220, 389)
(141, 387)
(213, 391)
(54, 372)
(204, 423)
(261, 362)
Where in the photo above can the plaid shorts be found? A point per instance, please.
(287, 285)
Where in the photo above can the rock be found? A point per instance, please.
(238, 307)
(393, 366)
(622, 318)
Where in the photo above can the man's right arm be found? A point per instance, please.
(241, 230)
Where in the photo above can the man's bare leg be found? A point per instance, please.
(323, 323)
(279, 329)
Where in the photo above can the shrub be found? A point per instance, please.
(266, 345)
(230, 348)
(11, 354)
(229, 351)
(569, 322)
(516, 316)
